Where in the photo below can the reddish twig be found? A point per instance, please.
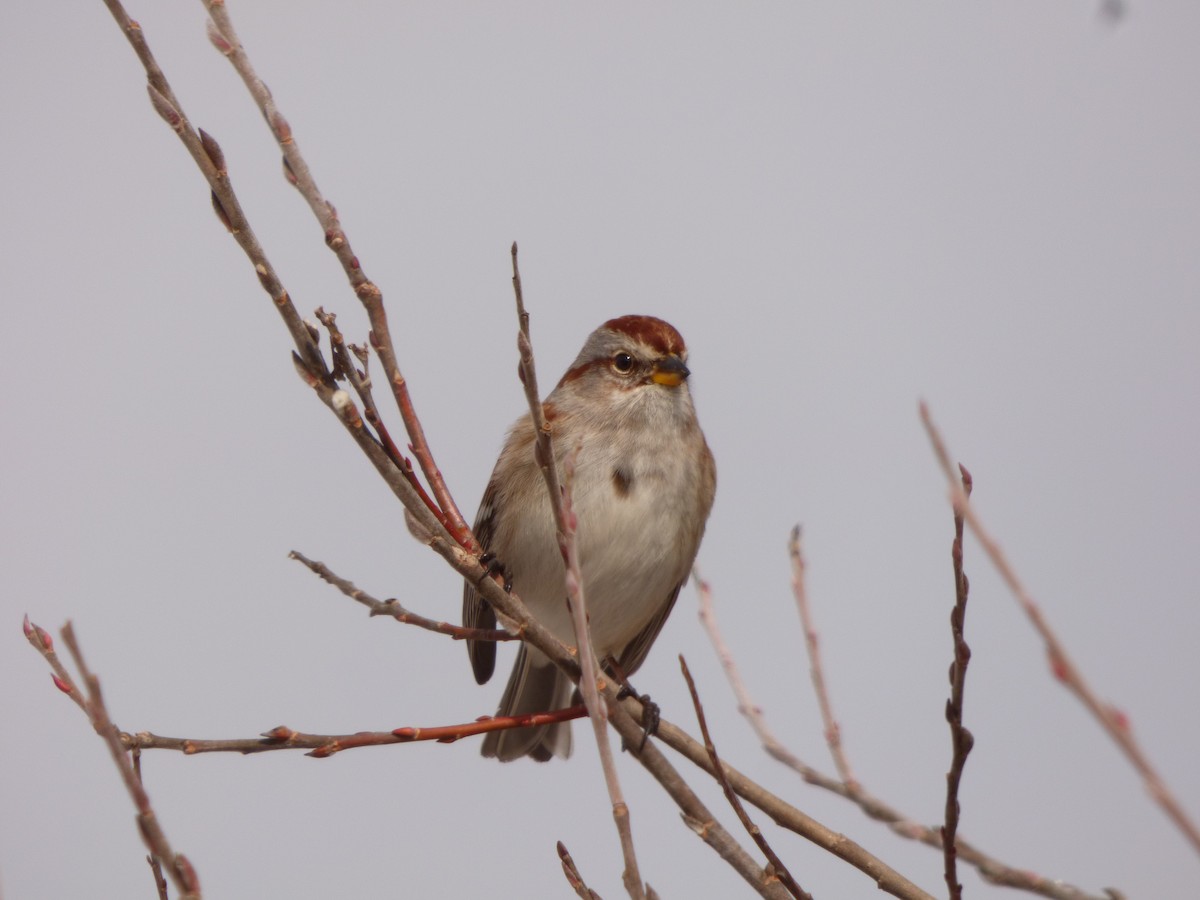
(564, 522)
(343, 367)
(224, 37)
(833, 732)
(393, 608)
(43, 643)
(961, 739)
(776, 870)
(990, 869)
(322, 746)
(1114, 722)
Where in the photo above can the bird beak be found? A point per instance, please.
(670, 371)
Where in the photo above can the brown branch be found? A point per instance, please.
(961, 739)
(1114, 722)
(833, 732)
(224, 37)
(393, 608)
(160, 880)
(180, 870)
(775, 870)
(989, 868)
(787, 816)
(206, 153)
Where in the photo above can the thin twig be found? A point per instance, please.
(775, 868)
(574, 879)
(206, 153)
(990, 869)
(210, 160)
(322, 746)
(393, 608)
(833, 731)
(961, 739)
(565, 522)
(224, 37)
(1114, 722)
(44, 644)
(180, 870)
(160, 880)
(343, 367)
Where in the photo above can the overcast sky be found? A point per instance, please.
(844, 209)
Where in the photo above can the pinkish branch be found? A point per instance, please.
(833, 731)
(989, 868)
(1114, 722)
(564, 524)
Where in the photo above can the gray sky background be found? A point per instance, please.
(844, 208)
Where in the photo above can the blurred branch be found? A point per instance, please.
(833, 732)
(961, 739)
(574, 879)
(1112, 720)
(178, 867)
(990, 869)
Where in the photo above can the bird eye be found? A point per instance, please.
(622, 362)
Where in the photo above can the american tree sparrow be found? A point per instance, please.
(643, 487)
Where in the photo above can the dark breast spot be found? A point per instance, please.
(622, 481)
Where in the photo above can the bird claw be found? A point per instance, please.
(651, 716)
(495, 567)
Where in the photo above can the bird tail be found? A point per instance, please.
(535, 686)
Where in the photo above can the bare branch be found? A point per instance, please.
(180, 870)
(960, 738)
(208, 158)
(990, 869)
(571, 871)
(564, 522)
(322, 746)
(393, 608)
(1112, 720)
(224, 37)
(833, 732)
(775, 870)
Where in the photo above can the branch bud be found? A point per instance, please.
(217, 39)
(165, 109)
